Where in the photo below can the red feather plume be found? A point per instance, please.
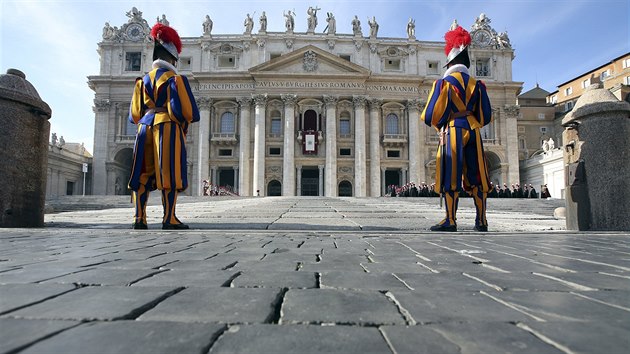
(456, 38)
(166, 34)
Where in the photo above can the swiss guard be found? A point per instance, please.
(458, 106)
(162, 106)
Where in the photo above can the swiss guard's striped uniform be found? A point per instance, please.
(163, 106)
(460, 104)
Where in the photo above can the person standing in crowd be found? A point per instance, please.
(162, 106)
(458, 107)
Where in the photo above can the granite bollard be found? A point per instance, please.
(24, 129)
(596, 155)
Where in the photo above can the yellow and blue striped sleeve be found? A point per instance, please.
(137, 107)
(484, 109)
(182, 103)
(436, 112)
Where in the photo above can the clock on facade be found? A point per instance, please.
(482, 37)
(135, 32)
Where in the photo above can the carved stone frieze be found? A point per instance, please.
(289, 99)
(330, 100)
(260, 99)
(310, 61)
(359, 101)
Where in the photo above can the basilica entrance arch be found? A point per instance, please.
(120, 172)
(274, 188)
(494, 167)
(310, 181)
(345, 189)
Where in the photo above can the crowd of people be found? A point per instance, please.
(213, 190)
(496, 191)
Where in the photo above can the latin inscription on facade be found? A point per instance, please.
(354, 86)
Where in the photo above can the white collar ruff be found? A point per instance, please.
(159, 63)
(461, 68)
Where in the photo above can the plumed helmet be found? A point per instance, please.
(457, 42)
(168, 38)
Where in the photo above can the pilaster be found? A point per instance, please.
(101, 122)
(244, 176)
(288, 161)
(202, 143)
(330, 177)
(375, 147)
(359, 146)
(258, 185)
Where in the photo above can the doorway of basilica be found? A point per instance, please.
(310, 181)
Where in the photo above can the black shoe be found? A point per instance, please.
(139, 225)
(445, 228)
(175, 227)
(481, 228)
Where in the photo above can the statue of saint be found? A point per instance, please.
(163, 20)
(552, 144)
(108, 31)
(134, 15)
(207, 25)
(312, 18)
(263, 22)
(290, 21)
(332, 24)
(373, 27)
(356, 26)
(411, 28)
(249, 24)
(503, 41)
(53, 139)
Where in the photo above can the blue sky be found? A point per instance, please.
(54, 42)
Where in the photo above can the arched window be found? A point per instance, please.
(227, 122)
(391, 124)
(345, 189)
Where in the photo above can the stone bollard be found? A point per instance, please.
(24, 129)
(597, 162)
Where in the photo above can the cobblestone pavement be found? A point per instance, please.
(314, 275)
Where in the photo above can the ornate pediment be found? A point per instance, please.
(484, 36)
(309, 60)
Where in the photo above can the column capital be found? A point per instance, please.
(512, 111)
(244, 102)
(288, 99)
(415, 104)
(359, 101)
(203, 102)
(260, 99)
(321, 167)
(101, 105)
(375, 103)
(331, 100)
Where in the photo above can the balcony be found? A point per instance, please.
(394, 140)
(225, 139)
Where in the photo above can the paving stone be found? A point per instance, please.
(441, 282)
(13, 296)
(33, 275)
(324, 306)
(555, 306)
(584, 337)
(438, 306)
(17, 333)
(112, 276)
(97, 303)
(521, 281)
(184, 278)
(360, 280)
(225, 305)
(131, 337)
(275, 279)
(300, 339)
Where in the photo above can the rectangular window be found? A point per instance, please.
(433, 68)
(184, 64)
(482, 67)
(393, 153)
(543, 130)
(274, 56)
(344, 127)
(227, 61)
(626, 63)
(345, 56)
(586, 83)
(627, 80)
(276, 126)
(541, 116)
(133, 61)
(225, 152)
(69, 188)
(345, 152)
(568, 106)
(568, 91)
(604, 75)
(554, 99)
(274, 151)
(130, 128)
(392, 64)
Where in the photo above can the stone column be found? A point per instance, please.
(405, 176)
(359, 146)
(235, 183)
(330, 178)
(299, 180)
(214, 180)
(596, 154)
(244, 177)
(258, 184)
(375, 147)
(512, 112)
(288, 161)
(203, 145)
(383, 179)
(101, 127)
(320, 191)
(416, 130)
